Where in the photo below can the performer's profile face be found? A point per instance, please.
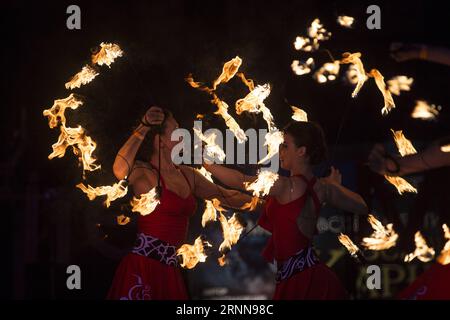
(286, 152)
(289, 152)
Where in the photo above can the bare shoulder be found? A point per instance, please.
(189, 173)
(187, 170)
(281, 187)
(142, 171)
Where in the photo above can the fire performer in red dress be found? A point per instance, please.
(151, 270)
(292, 210)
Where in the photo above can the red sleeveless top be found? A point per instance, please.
(138, 277)
(170, 219)
(281, 221)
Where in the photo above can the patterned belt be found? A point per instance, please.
(302, 260)
(155, 248)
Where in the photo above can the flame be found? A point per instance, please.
(146, 203)
(254, 103)
(114, 192)
(212, 149)
(56, 113)
(205, 173)
(299, 114)
(388, 100)
(327, 72)
(123, 220)
(352, 74)
(193, 254)
(273, 139)
(231, 229)
(210, 213)
(222, 260)
(229, 70)
(348, 244)
(382, 237)
(197, 85)
(248, 82)
(83, 146)
(345, 21)
(424, 111)
(445, 148)
(107, 54)
(86, 75)
(404, 146)
(199, 116)
(302, 67)
(261, 186)
(229, 120)
(355, 60)
(444, 257)
(189, 79)
(422, 251)
(250, 205)
(401, 184)
(304, 44)
(399, 83)
(317, 31)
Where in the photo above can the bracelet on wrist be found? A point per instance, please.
(145, 123)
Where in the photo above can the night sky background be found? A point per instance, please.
(163, 42)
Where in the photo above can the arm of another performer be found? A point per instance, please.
(340, 197)
(126, 156)
(430, 158)
(235, 179)
(403, 52)
(230, 177)
(205, 189)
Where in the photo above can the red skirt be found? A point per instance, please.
(141, 278)
(317, 282)
(433, 284)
